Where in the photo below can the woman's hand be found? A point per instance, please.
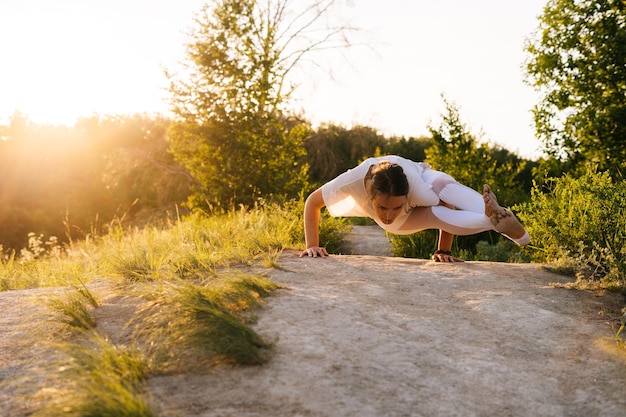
(314, 252)
(445, 256)
(445, 241)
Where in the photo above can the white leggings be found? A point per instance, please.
(469, 219)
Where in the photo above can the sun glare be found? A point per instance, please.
(72, 58)
(66, 59)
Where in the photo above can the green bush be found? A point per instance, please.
(417, 245)
(423, 244)
(502, 251)
(332, 230)
(580, 222)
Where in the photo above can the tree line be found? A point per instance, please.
(76, 182)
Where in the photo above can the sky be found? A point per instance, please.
(66, 59)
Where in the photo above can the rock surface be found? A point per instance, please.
(370, 336)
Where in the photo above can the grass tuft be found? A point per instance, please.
(95, 379)
(137, 265)
(73, 308)
(206, 324)
(200, 305)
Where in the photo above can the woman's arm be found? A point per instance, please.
(444, 246)
(312, 208)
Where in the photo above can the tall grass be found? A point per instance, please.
(201, 243)
(198, 292)
(185, 249)
(50, 271)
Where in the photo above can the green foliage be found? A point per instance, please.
(503, 251)
(47, 271)
(332, 150)
(418, 245)
(139, 263)
(457, 152)
(241, 162)
(188, 248)
(577, 61)
(410, 148)
(201, 243)
(423, 244)
(332, 230)
(581, 222)
(231, 131)
(81, 178)
(140, 171)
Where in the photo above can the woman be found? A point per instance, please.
(404, 197)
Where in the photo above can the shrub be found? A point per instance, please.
(580, 222)
(416, 245)
(503, 251)
(331, 229)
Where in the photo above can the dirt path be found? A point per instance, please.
(373, 336)
(366, 335)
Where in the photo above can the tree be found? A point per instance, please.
(232, 130)
(457, 151)
(411, 148)
(137, 167)
(578, 62)
(332, 149)
(73, 182)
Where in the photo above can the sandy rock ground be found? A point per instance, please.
(370, 335)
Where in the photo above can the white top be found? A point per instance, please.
(345, 196)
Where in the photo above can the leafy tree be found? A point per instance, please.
(48, 176)
(69, 182)
(138, 169)
(458, 152)
(334, 149)
(231, 127)
(578, 61)
(410, 148)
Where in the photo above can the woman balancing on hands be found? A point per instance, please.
(404, 197)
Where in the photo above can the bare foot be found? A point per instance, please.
(511, 227)
(503, 220)
(492, 209)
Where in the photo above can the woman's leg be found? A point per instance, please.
(458, 222)
(454, 193)
(505, 222)
(477, 213)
